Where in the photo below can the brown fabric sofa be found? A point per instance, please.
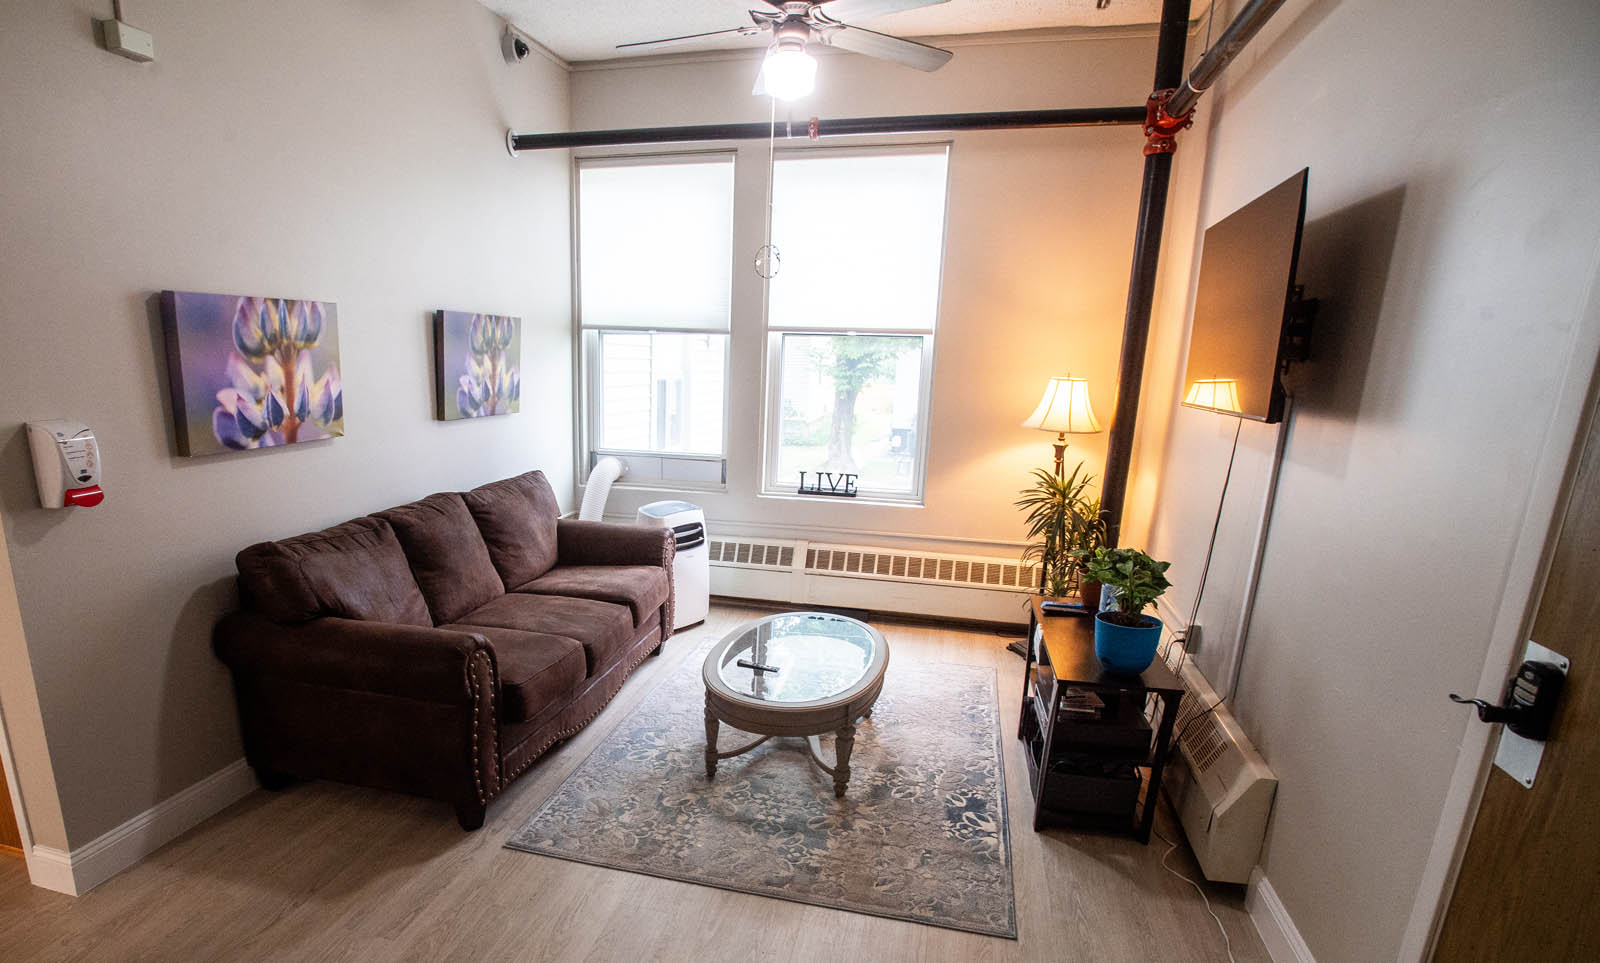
(440, 647)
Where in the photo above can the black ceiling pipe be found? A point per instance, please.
(1142, 280)
(838, 127)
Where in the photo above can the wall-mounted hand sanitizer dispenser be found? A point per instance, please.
(66, 462)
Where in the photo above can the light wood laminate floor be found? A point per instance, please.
(329, 872)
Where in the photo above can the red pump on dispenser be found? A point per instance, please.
(87, 497)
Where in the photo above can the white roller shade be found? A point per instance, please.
(861, 237)
(655, 242)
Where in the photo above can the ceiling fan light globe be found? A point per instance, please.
(789, 73)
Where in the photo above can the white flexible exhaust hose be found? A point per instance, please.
(598, 488)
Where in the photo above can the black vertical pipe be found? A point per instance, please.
(1142, 280)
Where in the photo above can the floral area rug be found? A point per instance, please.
(920, 835)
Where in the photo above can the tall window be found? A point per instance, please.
(851, 315)
(655, 238)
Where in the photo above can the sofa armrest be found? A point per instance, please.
(408, 661)
(606, 543)
(403, 707)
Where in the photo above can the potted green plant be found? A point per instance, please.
(1062, 520)
(1125, 639)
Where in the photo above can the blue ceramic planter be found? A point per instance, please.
(1126, 648)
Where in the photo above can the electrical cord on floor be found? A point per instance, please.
(1172, 847)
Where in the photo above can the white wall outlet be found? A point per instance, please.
(127, 41)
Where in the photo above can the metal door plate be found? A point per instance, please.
(1520, 757)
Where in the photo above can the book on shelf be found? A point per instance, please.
(1081, 703)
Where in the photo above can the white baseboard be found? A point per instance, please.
(50, 869)
(1278, 932)
(83, 869)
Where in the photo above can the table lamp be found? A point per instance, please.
(1064, 409)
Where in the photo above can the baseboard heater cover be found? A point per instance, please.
(1220, 785)
(978, 587)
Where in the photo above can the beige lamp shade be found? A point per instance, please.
(1064, 408)
(1218, 394)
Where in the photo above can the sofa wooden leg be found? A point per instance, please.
(272, 780)
(471, 817)
(657, 650)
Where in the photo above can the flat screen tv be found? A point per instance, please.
(1242, 335)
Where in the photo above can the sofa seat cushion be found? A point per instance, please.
(642, 588)
(538, 672)
(603, 628)
(517, 518)
(352, 571)
(447, 555)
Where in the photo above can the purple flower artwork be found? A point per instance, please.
(479, 362)
(251, 372)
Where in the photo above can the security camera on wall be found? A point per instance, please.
(514, 47)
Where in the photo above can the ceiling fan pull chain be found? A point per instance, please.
(768, 260)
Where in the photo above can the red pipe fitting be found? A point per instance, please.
(1161, 128)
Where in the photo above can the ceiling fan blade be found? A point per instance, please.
(748, 31)
(884, 47)
(867, 9)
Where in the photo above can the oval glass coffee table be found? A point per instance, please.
(795, 674)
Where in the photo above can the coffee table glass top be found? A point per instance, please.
(802, 657)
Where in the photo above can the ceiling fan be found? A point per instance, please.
(788, 71)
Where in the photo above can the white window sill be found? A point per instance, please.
(865, 498)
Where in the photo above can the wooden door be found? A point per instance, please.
(10, 836)
(1532, 868)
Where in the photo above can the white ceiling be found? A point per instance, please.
(578, 30)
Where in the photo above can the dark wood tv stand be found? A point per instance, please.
(1088, 767)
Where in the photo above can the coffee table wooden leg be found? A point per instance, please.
(711, 743)
(846, 741)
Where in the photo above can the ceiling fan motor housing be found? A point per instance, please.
(791, 35)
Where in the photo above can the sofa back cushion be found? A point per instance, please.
(354, 571)
(447, 555)
(517, 517)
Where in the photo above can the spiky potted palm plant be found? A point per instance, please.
(1125, 639)
(1062, 521)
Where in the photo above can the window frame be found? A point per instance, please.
(636, 459)
(644, 468)
(772, 369)
(772, 426)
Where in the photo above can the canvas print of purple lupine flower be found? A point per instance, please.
(479, 362)
(251, 372)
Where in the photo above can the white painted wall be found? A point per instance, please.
(346, 151)
(1452, 236)
(1040, 237)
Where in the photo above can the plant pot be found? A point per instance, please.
(1126, 648)
(1089, 595)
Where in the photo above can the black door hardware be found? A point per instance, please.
(1529, 704)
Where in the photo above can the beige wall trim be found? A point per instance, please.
(1273, 923)
(1513, 620)
(83, 869)
(50, 868)
(31, 781)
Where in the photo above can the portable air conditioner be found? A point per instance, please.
(1220, 785)
(691, 570)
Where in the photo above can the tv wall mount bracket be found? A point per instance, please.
(1298, 319)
